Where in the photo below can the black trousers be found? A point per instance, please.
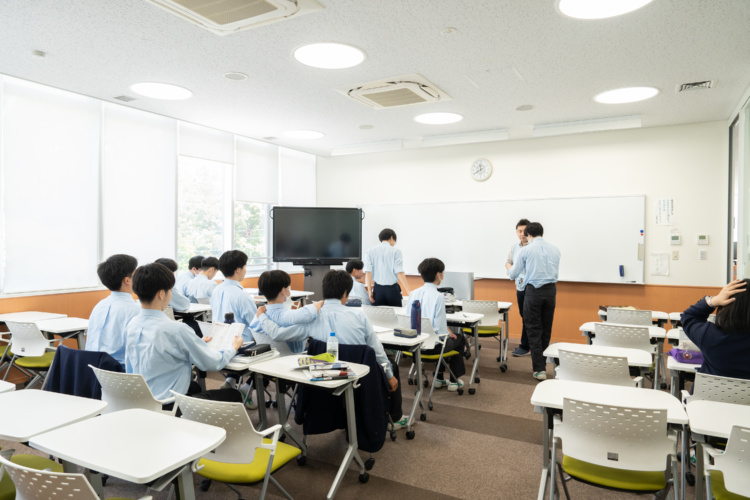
(387, 295)
(394, 398)
(538, 313)
(524, 336)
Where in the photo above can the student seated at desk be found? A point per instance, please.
(355, 269)
(194, 267)
(433, 307)
(350, 326)
(109, 317)
(179, 301)
(203, 284)
(726, 344)
(164, 351)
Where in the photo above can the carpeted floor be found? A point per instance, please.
(481, 446)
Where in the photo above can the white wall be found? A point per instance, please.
(687, 163)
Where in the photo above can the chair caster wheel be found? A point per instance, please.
(663, 385)
(409, 434)
(410, 381)
(467, 355)
(275, 404)
(476, 380)
(369, 463)
(393, 436)
(503, 367)
(268, 404)
(690, 478)
(429, 405)
(205, 484)
(301, 460)
(480, 347)
(498, 359)
(423, 417)
(472, 391)
(425, 383)
(460, 392)
(364, 477)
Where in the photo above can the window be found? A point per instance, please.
(251, 233)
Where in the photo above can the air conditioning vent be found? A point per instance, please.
(124, 98)
(708, 84)
(393, 92)
(224, 17)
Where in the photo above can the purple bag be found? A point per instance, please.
(685, 356)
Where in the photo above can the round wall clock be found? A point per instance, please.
(481, 170)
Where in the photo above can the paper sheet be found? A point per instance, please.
(223, 335)
(659, 263)
(664, 211)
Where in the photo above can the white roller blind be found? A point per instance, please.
(50, 181)
(297, 178)
(257, 172)
(206, 143)
(138, 184)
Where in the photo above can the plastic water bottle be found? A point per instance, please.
(416, 317)
(229, 318)
(332, 346)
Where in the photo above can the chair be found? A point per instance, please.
(727, 478)
(488, 326)
(123, 391)
(614, 447)
(246, 456)
(33, 484)
(633, 337)
(382, 316)
(30, 352)
(611, 370)
(34, 462)
(170, 313)
(629, 316)
(715, 388)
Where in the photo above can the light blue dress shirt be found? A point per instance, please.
(432, 303)
(182, 282)
(164, 352)
(284, 316)
(359, 292)
(200, 288)
(229, 296)
(179, 302)
(349, 324)
(540, 262)
(521, 278)
(107, 324)
(384, 262)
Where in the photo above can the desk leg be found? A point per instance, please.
(418, 393)
(260, 399)
(545, 453)
(504, 341)
(185, 488)
(285, 425)
(700, 486)
(475, 329)
(657, 365)
(674, 383)
(684, 456)
(351, 451)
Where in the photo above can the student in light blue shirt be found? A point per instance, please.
(109, 317)
(523, 349)
(164, 351)
(355, 269)
(432, 304)
(384, 270)
(194, 267)
(179, 302)
(203, 285)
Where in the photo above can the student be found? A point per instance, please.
(203, 284)
(179, 301)
(164, 351)
(384, 268)
(540, 261)
(354, 268)
(726, 344)
(432, 304)
(194, 265)
(350, 326)
(523, 348)
(109, 318)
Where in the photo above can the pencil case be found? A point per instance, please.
(407, 333)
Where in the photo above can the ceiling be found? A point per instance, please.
(501, 54)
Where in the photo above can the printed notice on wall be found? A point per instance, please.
(664, 211)
(659, 263)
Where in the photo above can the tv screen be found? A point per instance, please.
(316, 235)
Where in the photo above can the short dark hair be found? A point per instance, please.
(534, 229)
(168, 263)
(230, 261)
(336, 284)
(210, 262)
(735, 317)
(149, 279)
(522, 222)
(195, 262)
(386, 234)
(429, 268)
(271, 283)
(354, 264)
(115, 269)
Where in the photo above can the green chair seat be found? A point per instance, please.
(719, 490)
(614, 478)
(36, 362)
(486, 331)
(8, 489)
(248, 473)
(433, 357)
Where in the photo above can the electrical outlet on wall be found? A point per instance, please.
(702, 254)
(675, 255)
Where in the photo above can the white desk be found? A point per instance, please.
(245, 363)
(66, 328)
(469, 320)
(6, 386)
(503, 308)
(30, 412)
(29, 316)
(198, 311)
(636, 357)
(548, 396)
(135, 445)
(677, 373)
(300, 295)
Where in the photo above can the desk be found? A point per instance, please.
(30, 412)
(503, 308)
(300, 295)
(135, 445)
(469, 320)
(29, 316)
(6, 386)
(636, 357)
(712, 419)
(549, 394)
(675, 319)
(284, 368)
(66, 328)
(677, 372)
(658, 317)
(199, 312)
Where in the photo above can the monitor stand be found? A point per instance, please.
(314, 280)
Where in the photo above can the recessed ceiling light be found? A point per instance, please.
(233, 75)
(366, 127)
(38, 53)
(161, 91)
(329, 55)
(599, 9)
(438, 118)
(626, 95)
(303, 134)
(525, 107)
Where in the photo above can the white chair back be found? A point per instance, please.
(26, 339)
(431, 341)
(623, 336)
(721, 389)
(486, 307)
(611, 370)
(381, 316)
(629, 316)
(123, 391)
(169, 312)
(32, 484)
(733, 462)
(615, 436)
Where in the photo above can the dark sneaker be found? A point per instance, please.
(519, 351)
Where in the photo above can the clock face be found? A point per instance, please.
(481, 170)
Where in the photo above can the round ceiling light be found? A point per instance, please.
(438, 118)
(626, 95)
(525, 107)
(303, 134)
(236, 76)
(329, 55)
(599, 9)
(161, 91)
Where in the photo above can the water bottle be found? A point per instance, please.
(332, 346)
(416, 317)
(229, 318)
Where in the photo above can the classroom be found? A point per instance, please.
(90, 167)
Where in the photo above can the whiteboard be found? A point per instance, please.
(595, 235)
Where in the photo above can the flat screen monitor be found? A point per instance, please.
(314, 235)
